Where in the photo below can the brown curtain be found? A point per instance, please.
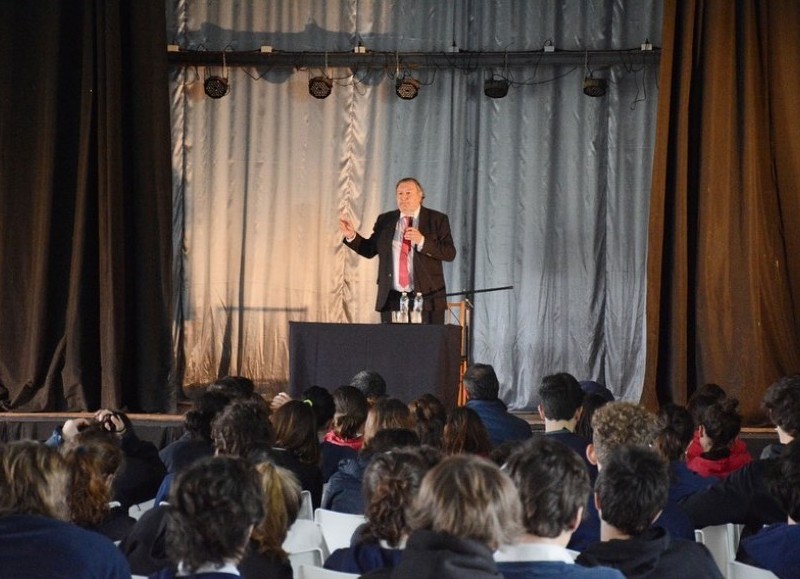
(724, 257)
(85, 206)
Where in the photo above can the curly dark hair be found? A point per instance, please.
(391, 482)
(243, 427)
(94, 456)
(212, 507)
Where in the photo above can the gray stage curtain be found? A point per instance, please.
(547, 189)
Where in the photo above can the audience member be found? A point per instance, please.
(321, 402)
(631, 489)
(234, 387)
(344, 439)
(371, 384)
(465, 509)
(591, 402)
(265, 556)
(196, 441)
(775, 547)
(674, 435)
(142, 470)
(429, 416)
(553, 486)
(718, 428)
(214, 506)
(37, 541)
(94, 458)
(590, 387)
(391, 482)
(743, 497)
(344, 490)
(617, 424)
(560, 408)
(464, 432)
(243, 427)
(483, 388)
(297, 447)
(386, 413)
(703, 398)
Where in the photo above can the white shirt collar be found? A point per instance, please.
(209, 568)
(415, 215)
(533, 552)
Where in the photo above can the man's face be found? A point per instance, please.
(409, 197)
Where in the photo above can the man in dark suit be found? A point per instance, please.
(411, 243)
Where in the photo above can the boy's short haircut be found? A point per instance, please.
(782, 404)
(621, 423)
(632, 488)
(561, 396)
(553, 485)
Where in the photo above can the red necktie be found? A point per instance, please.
(405, 249)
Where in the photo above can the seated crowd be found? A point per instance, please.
(608, 489)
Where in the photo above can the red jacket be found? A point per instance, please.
(720, 467)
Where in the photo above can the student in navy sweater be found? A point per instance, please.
(553, 486)
(37, 541)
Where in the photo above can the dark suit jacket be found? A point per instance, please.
(428, 271)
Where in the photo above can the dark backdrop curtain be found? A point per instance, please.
(724, 256)
(85, 206)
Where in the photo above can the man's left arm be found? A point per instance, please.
(438, 242)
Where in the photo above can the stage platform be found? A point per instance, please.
(160, 429)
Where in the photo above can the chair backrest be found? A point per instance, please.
(306, 508)
(737, 570)
(311, 558)
(303, 536)
(337, 528)
(136, 511)
(719, 539)
(309, 572)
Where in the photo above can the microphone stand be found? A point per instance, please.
(466, 322)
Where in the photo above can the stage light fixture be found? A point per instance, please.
(594, 87)
(320, 87)
(216, 86)
(406, 88)
(495, 88)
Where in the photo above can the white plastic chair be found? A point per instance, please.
(308, 572)
(306, 508)
(136, 511)
(337, 528)
(310, 558)
(303, 536)
(737, 570)
(720, 540)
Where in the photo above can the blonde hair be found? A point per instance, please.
(621, 423)
(469, 497)
(281, 506)
(34, 480)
